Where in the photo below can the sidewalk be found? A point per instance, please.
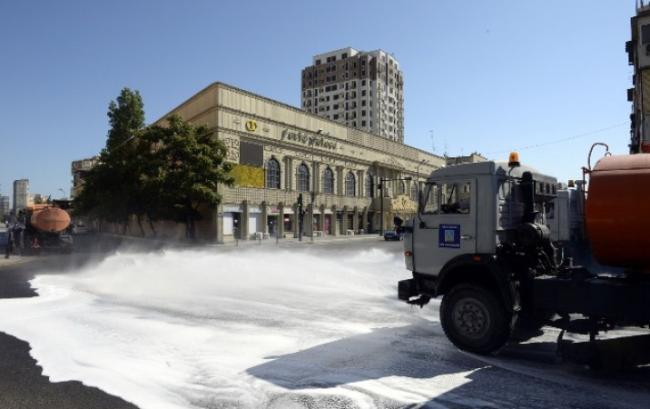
(305, 240)
(156, 243)
(14, 260)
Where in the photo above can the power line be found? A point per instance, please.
(569, 138)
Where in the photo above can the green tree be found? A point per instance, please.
(158, 172)
(192, 164)
(111, 187)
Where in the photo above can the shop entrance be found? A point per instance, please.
(272, 225)
(327, 224)
(236, 225)
(288, 226)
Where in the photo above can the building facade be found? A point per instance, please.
(363, 90)
(78, 169)
(282, 154)
(638, 50)
(4, 206)
(21, 195)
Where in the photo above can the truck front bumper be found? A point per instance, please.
(406, 289)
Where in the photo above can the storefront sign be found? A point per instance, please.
(307, 139)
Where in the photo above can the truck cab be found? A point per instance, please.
(470, 242)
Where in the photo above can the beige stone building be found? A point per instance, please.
(281, 152)
(78, 169)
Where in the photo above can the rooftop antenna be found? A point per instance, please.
(445, 147)
(433, 146)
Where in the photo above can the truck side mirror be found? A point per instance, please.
(420, 202)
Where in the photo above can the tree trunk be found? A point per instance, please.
(151, 225)
(139, 218)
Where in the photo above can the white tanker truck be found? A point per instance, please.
(495, 241)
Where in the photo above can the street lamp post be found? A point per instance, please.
(381, 199)
(417, 169)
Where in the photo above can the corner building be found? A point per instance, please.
(280, 152)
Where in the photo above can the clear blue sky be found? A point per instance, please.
(485, 76)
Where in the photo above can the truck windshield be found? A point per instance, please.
(431, 200)
(447, 198)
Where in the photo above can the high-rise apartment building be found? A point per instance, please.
(4, 206)
(21, 194)
(364, 90)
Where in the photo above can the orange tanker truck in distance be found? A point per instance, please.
(46, 229)
(509, 251)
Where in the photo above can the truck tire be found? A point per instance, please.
(474, 320)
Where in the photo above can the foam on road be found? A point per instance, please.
(266, 328)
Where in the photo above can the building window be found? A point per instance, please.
(302, 179)
(328, 181)
(370, 185)
(350, 185)
(414, 192)
(645, 34)
(363, 123)
(273, 174)
(401, 188)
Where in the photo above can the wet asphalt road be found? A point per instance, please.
(22, 384)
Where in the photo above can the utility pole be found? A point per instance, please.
(313, 199)
(301, 216)
(381, 203)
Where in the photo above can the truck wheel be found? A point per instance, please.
(474, 319)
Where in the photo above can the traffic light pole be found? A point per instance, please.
(301, 216)
(381, 199)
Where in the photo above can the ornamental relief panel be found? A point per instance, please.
(233, 149)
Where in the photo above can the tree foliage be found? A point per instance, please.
(157, 172)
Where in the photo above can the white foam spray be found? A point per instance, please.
(179, 329)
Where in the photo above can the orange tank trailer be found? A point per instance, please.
(617, 214)
(49, 219)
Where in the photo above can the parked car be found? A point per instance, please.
(79, 229)
(393, 235)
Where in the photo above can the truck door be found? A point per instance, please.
(446, 225)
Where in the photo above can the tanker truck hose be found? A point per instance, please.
(607, 153)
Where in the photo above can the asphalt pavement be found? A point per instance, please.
(22, 383)
(401, 361)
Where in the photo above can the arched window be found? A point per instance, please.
(370, 185)
(350, 185)
(328, 181)
(401, 187)
(272, 174)
(414, 191)
(302, 181)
